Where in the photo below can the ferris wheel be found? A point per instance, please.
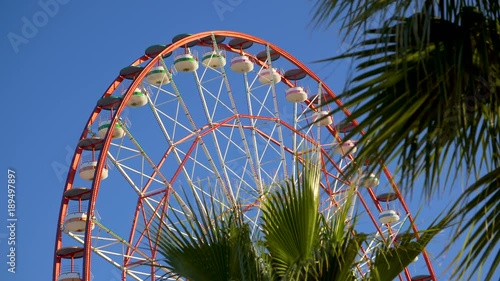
(225, 114)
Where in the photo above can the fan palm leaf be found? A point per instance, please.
(298, 242)
(291, 223)
(209, 245)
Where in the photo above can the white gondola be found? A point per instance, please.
(213, 59)
(346, 148)
(185, 63)
(87, 170)
(69, 276)
(296, 94)
(104, 125)
(388, 217)
(369, 180)
(158, 76)
(76, 222)
(241, 64)
(269, 75)
(322, 118)
(137, 99)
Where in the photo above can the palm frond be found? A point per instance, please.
(391, 261)
(421, 79)
(357, 16)
(340, 245)
(290, 222)
(298, 243)
(428, 95)
(208, 245)
(478, 216)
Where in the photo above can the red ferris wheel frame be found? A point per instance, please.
(151, 62)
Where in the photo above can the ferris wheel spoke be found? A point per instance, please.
(243, 136)
(218, 105)
(122, 167)
(221, 156)
(154, 166)
(232, 154)
(163, 181)
(112, 256)
(137, 187)
(142, 256)
(277, 116)
(253, 133)
(260, 103)
(171, 143)
(201, 143)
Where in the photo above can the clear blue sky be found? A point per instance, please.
(58, 57)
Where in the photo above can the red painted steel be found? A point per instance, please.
(107, 141)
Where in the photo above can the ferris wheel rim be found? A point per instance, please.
(135, 83)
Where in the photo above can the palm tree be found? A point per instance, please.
(427, 89)
(296, 241)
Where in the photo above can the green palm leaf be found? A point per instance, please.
(298, 243)
(480, 208)
(340, 246)
(290, 222)
(427, 94)
(213, 245)
(391, 261)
